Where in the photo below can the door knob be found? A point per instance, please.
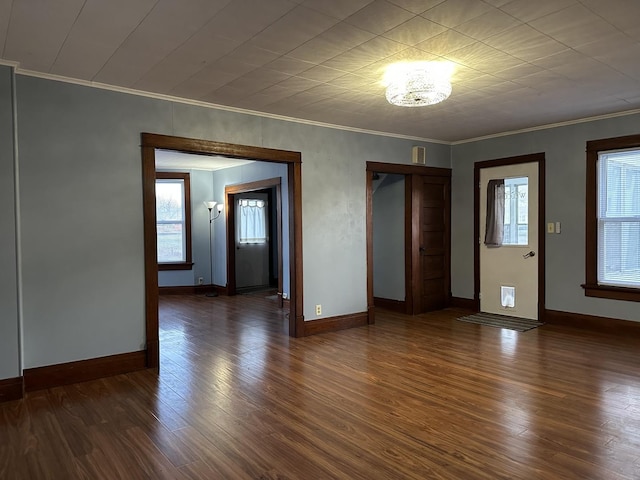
(530, 254)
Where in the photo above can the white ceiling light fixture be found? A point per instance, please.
(417, 84)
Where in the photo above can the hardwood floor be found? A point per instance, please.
(423, 397)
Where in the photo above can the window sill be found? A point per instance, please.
(175, 266)
(613, 293)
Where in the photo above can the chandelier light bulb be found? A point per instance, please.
(418, 84)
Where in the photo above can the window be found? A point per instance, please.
(516, 211)
(173, 221)
(252, 224)
(613, 218)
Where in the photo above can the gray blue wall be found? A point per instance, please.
(81, 211)
(564, 149)
(388, 238)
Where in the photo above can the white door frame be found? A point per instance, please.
(538, 158)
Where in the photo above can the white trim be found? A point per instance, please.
(549, 125)
(170, 98)
(9, 63)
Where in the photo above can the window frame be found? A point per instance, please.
(188, 263)
(591, 286)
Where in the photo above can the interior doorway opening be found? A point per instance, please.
(151, 142)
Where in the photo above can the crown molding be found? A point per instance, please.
(549, 126)
(170, 98)
(186, 101)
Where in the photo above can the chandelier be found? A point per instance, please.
(417, 84)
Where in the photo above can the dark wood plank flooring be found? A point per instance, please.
(423, 397)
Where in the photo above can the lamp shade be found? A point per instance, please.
(210, 205)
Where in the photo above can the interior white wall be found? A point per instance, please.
(388, 238)
(81, 209)
(9, 336)
(564, 149)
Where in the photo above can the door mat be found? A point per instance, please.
(502, 321)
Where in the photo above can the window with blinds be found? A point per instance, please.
(618, 218)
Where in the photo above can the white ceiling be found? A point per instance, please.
(519, 64)
(171, 160)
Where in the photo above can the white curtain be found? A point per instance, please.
(252, 221)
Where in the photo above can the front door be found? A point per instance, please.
(509, 271)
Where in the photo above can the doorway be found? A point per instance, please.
(265, 251)
(426, 227)
(151, 142)
(509, 228)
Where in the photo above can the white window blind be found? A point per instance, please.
(252, 222)
(619, 218)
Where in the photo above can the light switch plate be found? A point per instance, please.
(550, 227)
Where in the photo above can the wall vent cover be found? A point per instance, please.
(419, 155)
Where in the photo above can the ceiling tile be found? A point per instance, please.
(446, 42)
(144, 47)
(288, 65)
(38, 30)
(527, 10)
(452, 13)
(337, 8)
(321, 73)
(199, 52)
(365, 54)
(294, 28)
(197, 88)
(622, 14)
(416, 6)
(414, 31)
(379, 17)
(574, 26)
(243, 19)
(488, 24)
(91, 41)
(5, 15)
(338, 39)
(526, 43)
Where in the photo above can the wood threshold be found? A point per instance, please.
(80, 371)
(191, 290)
(332, 324)
(466, 303)
(11, 389)
(399, 306)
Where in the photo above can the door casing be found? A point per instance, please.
(538, 158)
(412, 237)
(149, 143)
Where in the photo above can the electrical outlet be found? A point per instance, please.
(200, 280)
(318, 309)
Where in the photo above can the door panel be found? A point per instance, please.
(507, 266)
(434, 241)
(252, 259)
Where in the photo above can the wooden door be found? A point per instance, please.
(432, 211)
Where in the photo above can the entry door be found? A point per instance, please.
(252, 240)
(509, 273)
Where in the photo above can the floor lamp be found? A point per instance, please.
(210, 206)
